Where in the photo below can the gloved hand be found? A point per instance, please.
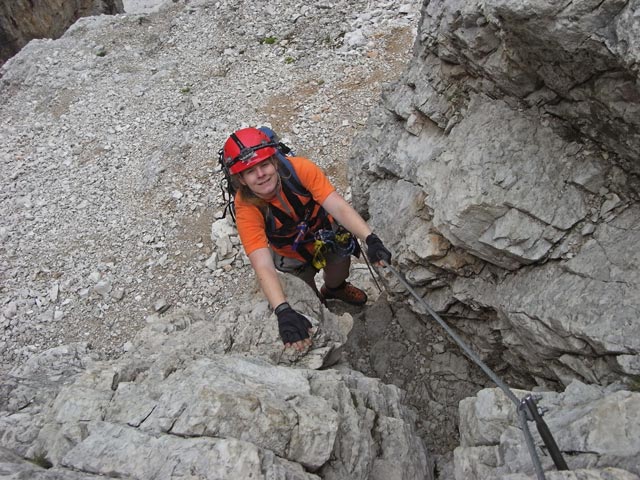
(376, 250)
(293, 327)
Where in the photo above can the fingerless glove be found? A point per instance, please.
(293, 326)
(376, 250)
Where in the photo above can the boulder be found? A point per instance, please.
(596, 428)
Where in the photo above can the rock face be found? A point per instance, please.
(211, 398)
(599, 426)
(511, 162)
(108, 158)
(24, 20)
(508, 160)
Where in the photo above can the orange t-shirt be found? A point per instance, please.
(249, 218)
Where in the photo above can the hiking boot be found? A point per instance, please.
(345, 292)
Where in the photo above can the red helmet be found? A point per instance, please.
(245, 148)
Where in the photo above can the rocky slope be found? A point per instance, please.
(109, 151)
(209, 398)
(518, 200)
(110, 186)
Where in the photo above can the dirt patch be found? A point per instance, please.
(390, 342)
(194, 234)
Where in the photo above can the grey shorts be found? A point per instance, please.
(300, 268)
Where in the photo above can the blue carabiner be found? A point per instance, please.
(302, 232)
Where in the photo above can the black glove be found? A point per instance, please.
(293, 326)
(376, 250)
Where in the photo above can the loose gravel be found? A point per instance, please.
(108, 151)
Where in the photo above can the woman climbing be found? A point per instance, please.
(291, 218)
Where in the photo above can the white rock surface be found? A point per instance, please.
(212, 398)
(597, 428)
(501, 140)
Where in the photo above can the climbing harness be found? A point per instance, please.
(301, 228)
(527, 408)
(340, 242)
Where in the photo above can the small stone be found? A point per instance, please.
(611, 202)
(588, 229)
(103, 287)
(160, 305)
(53, 292)
(95, 276)
(212, 262)
(117, 294)
(10, 310)
(47, 316)
(354, 39)
(414, 124)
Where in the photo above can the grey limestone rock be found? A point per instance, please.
(504, 144)
(22, 21)
(216, 398)
(596, 428)
(502, 171)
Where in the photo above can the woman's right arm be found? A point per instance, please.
(262, 263)
(294, 328)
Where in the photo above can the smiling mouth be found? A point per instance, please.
(263, 183)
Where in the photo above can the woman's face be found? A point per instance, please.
(262, 179)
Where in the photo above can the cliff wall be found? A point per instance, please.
(510, 147)
(24, 20)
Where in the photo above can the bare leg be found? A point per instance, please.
(308, 275)
(336, 272)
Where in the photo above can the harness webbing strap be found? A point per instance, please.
(285, 234)
(295, 202)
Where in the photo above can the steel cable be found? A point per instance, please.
(520, 405)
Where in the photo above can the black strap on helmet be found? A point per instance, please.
(246, 153)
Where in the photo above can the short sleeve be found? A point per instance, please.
(251, 227)
(313, 178)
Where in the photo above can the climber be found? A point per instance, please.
(290, 218)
